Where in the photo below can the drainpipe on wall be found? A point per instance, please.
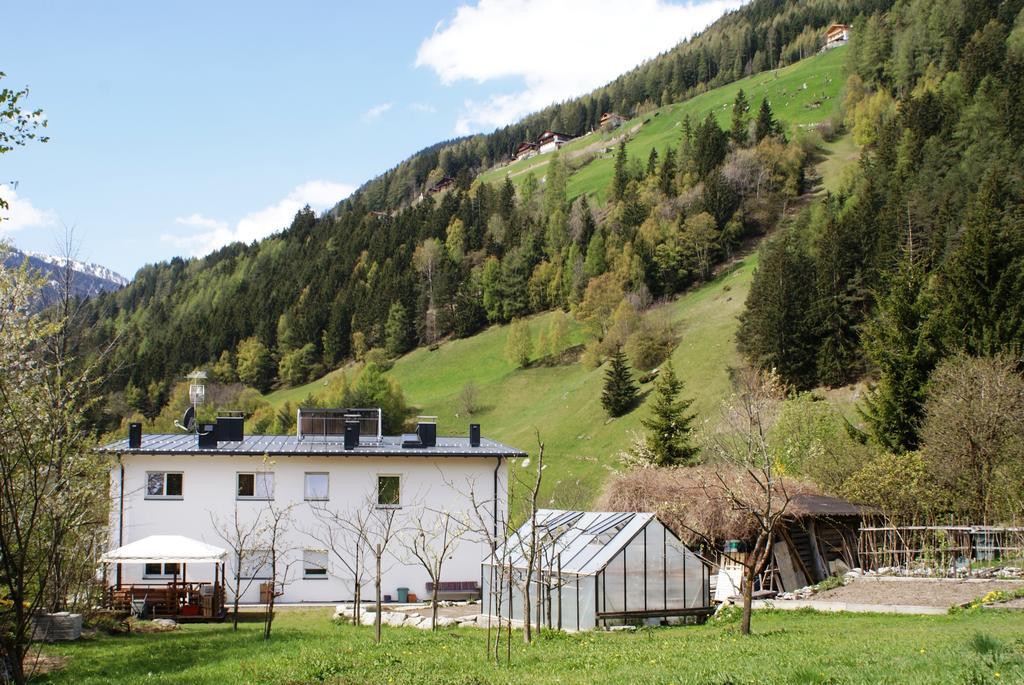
(120, 513)
(496, 468)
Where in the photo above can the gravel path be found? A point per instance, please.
(914, 591)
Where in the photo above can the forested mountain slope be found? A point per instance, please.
(322, 291)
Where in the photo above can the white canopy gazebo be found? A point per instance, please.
(177, 598)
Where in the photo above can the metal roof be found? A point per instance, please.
(388, 446)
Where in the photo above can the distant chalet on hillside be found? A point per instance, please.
(836, 35)
(444, 184)
(525, 151)
(612, 120)
(548, 142)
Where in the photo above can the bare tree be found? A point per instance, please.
(344, 534)
(278, 556)
(248, 545)
(376, 534)
(430, 540)
(487, 523)
(749, 481)
(526, 543)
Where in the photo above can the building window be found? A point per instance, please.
(316, 487)
(158, 570)
(163, 485)
(389, 491)
(314, 563)
(255, 485)
(255, 565)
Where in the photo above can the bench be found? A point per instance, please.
(455, 590)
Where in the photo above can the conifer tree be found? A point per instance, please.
(709, 146)
(740, 111)
(594, 264)
(667, 180)
(652, 162)
(983, 280)
(397, 338)
(774, 330)
(621, 178)
(669, 428)
(900, 342)
(766, 124)
(620, 390)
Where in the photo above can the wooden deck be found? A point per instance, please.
(180, 601)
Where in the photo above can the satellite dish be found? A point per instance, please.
(188, 421)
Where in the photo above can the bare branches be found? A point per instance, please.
(430, 540)
(249, 548)
(344, 533)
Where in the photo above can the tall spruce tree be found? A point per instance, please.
(766, 124)
(983, 280)
(621, 177)
(397, 331)
(670, 429)
(710, 144)
(740, 118)
(620, 390)
(900, 342)
(667, 177)
(652, 162)
(774, 328)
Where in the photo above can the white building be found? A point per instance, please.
(180, 484)
(550, 141)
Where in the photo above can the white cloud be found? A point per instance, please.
(559, 48)
(21, 213)
(376, 111)
(423, 107)
(201, 221)
(318, 195)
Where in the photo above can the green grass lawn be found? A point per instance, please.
(787, 647)
(800, 94)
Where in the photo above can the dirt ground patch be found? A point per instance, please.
(913, 591)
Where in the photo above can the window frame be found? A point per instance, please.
(305, 488)
(164, 496)
(397, 505)
(163, 568)
(265, 566)
(254, 497)
(306, 575)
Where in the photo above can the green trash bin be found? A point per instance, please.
(403, 595)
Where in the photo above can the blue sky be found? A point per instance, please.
(178, 127)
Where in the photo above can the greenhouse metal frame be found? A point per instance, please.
(597, 569)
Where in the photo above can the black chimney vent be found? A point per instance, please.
(207, 436)
(230, 428)
(351, 435)
(474, 435)
(135, 435)
(427, 433)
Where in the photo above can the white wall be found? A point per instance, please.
(209, 489)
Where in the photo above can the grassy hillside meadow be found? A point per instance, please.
(561, 402)
(804, 93)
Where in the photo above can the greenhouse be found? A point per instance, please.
(596, 569)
